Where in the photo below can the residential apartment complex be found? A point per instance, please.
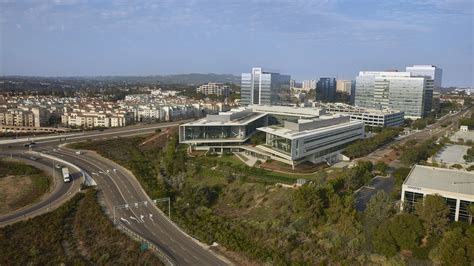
(344, 86)
(309, 84)
(393, 90)
(218, 89)
(456, 186)
(26, 117)
(265, 88)
(293, 135)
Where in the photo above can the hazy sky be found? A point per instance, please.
(307, 39)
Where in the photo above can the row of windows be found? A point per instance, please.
(325, 135)
(311, 148)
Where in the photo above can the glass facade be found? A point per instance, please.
(326, 90)
(394, 90)
(411, 199)
(408, 96)
(465, 214)
(264, 88)
(279, 143)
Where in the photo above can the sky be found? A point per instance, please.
(306, 39)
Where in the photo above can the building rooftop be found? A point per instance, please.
(450, 180)
(234, 117)
(308, 127)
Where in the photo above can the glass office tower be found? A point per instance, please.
(394, 90)
(326, 90)
(434, 76)
(264, 88)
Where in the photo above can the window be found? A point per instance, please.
(411, 199)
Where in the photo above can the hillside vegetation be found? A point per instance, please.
(77, 233)
(20, 185)
(245, 210)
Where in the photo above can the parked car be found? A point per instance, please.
(58, 166)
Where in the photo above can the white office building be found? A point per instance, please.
(393, 90)
(309, 84)
(218, 89)
(456, 186)
(214, 132)
(293, 135)
(264, 88)
(315, 140)
(370, 116)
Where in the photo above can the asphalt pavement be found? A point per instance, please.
(121, 188)
(60, 191)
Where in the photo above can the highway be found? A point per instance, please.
(60, 193)
(120, 187)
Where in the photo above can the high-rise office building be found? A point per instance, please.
(343, 86)
(309, 84)
(434, 77)
(326, 90)
(353, 89)
(395, 90)
(264, 88)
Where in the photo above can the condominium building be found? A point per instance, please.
(218, 89)
(265, 88)
(370, 116)
(393, 90)
(457, 187)
(26, 117)
(344, 86)
(326, 90)
(309, 84)
(96, 119)
(434, 76)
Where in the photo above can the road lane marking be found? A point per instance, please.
(133, 218)
(125, 220)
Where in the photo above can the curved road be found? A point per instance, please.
(60, 193)
(120, 187)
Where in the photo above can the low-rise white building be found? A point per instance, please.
(218, 89)
(293, 135)
(456, 186)
(315, 140)
(370, 117)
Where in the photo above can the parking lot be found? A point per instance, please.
(364, 194)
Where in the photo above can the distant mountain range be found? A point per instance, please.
(188, 79)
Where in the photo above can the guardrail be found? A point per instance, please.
(161, 255)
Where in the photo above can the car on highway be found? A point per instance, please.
(33, 158)
(79, 152)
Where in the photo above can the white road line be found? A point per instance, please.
(133, 218)
(125, 220)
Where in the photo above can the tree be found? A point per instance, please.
(407, 230)
(451, 250)
(434, 214)
(381, 167)
(379, 208)
(383, 242)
